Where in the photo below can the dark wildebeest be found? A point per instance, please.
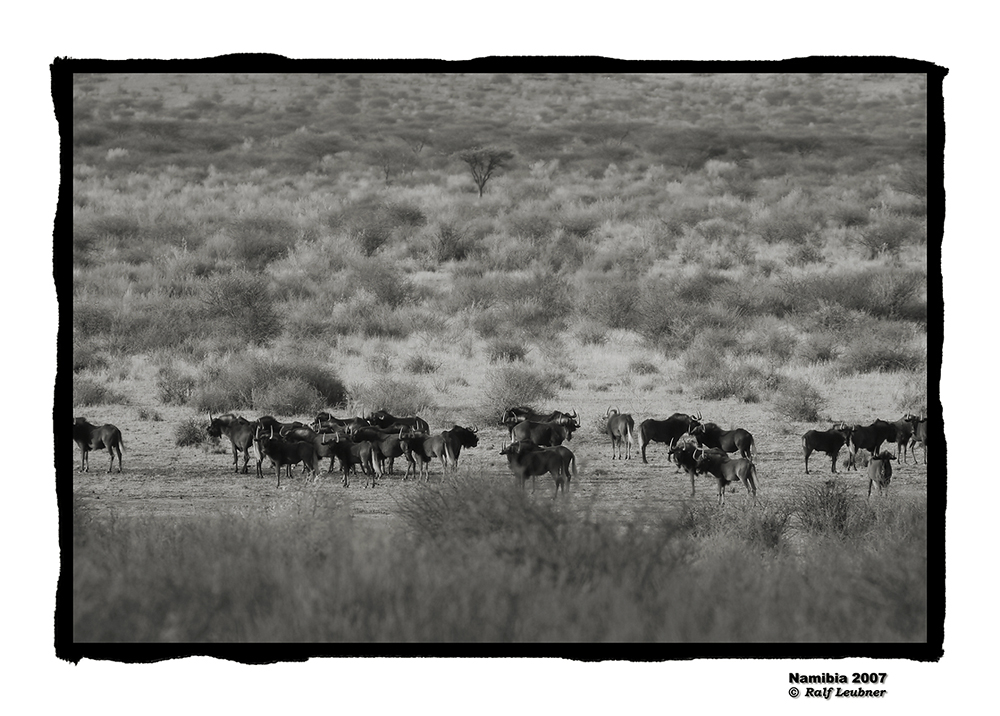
(325, 420)
(350, 453)
(827, 441)
(543, 434)
(726, 470)
(526, 460)
(919, 426)
(513, 416)
(456, 439)
(240, 432)
(620, 427)
(382, 419)
(904, 431)
(94, 437)
(684, 452)
(282, 453)
(868, 437)
(665, 431)
(880, 471)
(711, 435)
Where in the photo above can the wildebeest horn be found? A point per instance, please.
(272, 432)
(574, 415)
(475, 429)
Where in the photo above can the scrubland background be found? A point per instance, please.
(751, 246)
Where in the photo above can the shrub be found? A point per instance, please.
(288, 396)
(877, 356)
(189, 432)
(452, 244)
(509, 386)
(833, 509)
(383, 281)
(592, 335)
(819, 347)
(261, 240)
(642, 367)
(246, 305)
(397, 396)
(242, 382)
(173, 387)
(421, 364)
(92, 392)
(504, 349)
(889, 234)
(796, 399)
(536, 225)
(788, 228)
(144, 413)
(86, 357)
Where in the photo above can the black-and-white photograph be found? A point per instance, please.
(439, 383)
(493, 357)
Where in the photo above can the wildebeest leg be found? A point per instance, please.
(277, 472)
(833, 462)
(642, 449)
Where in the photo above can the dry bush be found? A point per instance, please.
(92, 392)
(509, 386)
(189, 432)
(398, 397)
(243, 381)
(796, 399)
(505, 349)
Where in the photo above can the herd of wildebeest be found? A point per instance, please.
(534, 446)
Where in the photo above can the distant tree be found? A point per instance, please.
(483, 162)
(317, 146)
(391, 157)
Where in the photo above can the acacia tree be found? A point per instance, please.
(483, 162)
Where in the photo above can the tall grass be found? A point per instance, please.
(476, 559)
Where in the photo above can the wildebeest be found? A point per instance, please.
(711, 435)
(726, 470)
(240, 432)
(828, 441)
(868, 437)
(684, 454)
(543, 434)
(456, 439)
(415, 450)
(919, 426)
(382, 419)
(350, 453)
(880, 471)
(281, 453)
(526, 460)
(620, 427)
(325, 420)
(513, 416)
(94, 437)
(904, 431)
(665, 431)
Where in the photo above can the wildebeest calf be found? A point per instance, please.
(94, 437)
(880, 472)
(620, 427)
(726, 470)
